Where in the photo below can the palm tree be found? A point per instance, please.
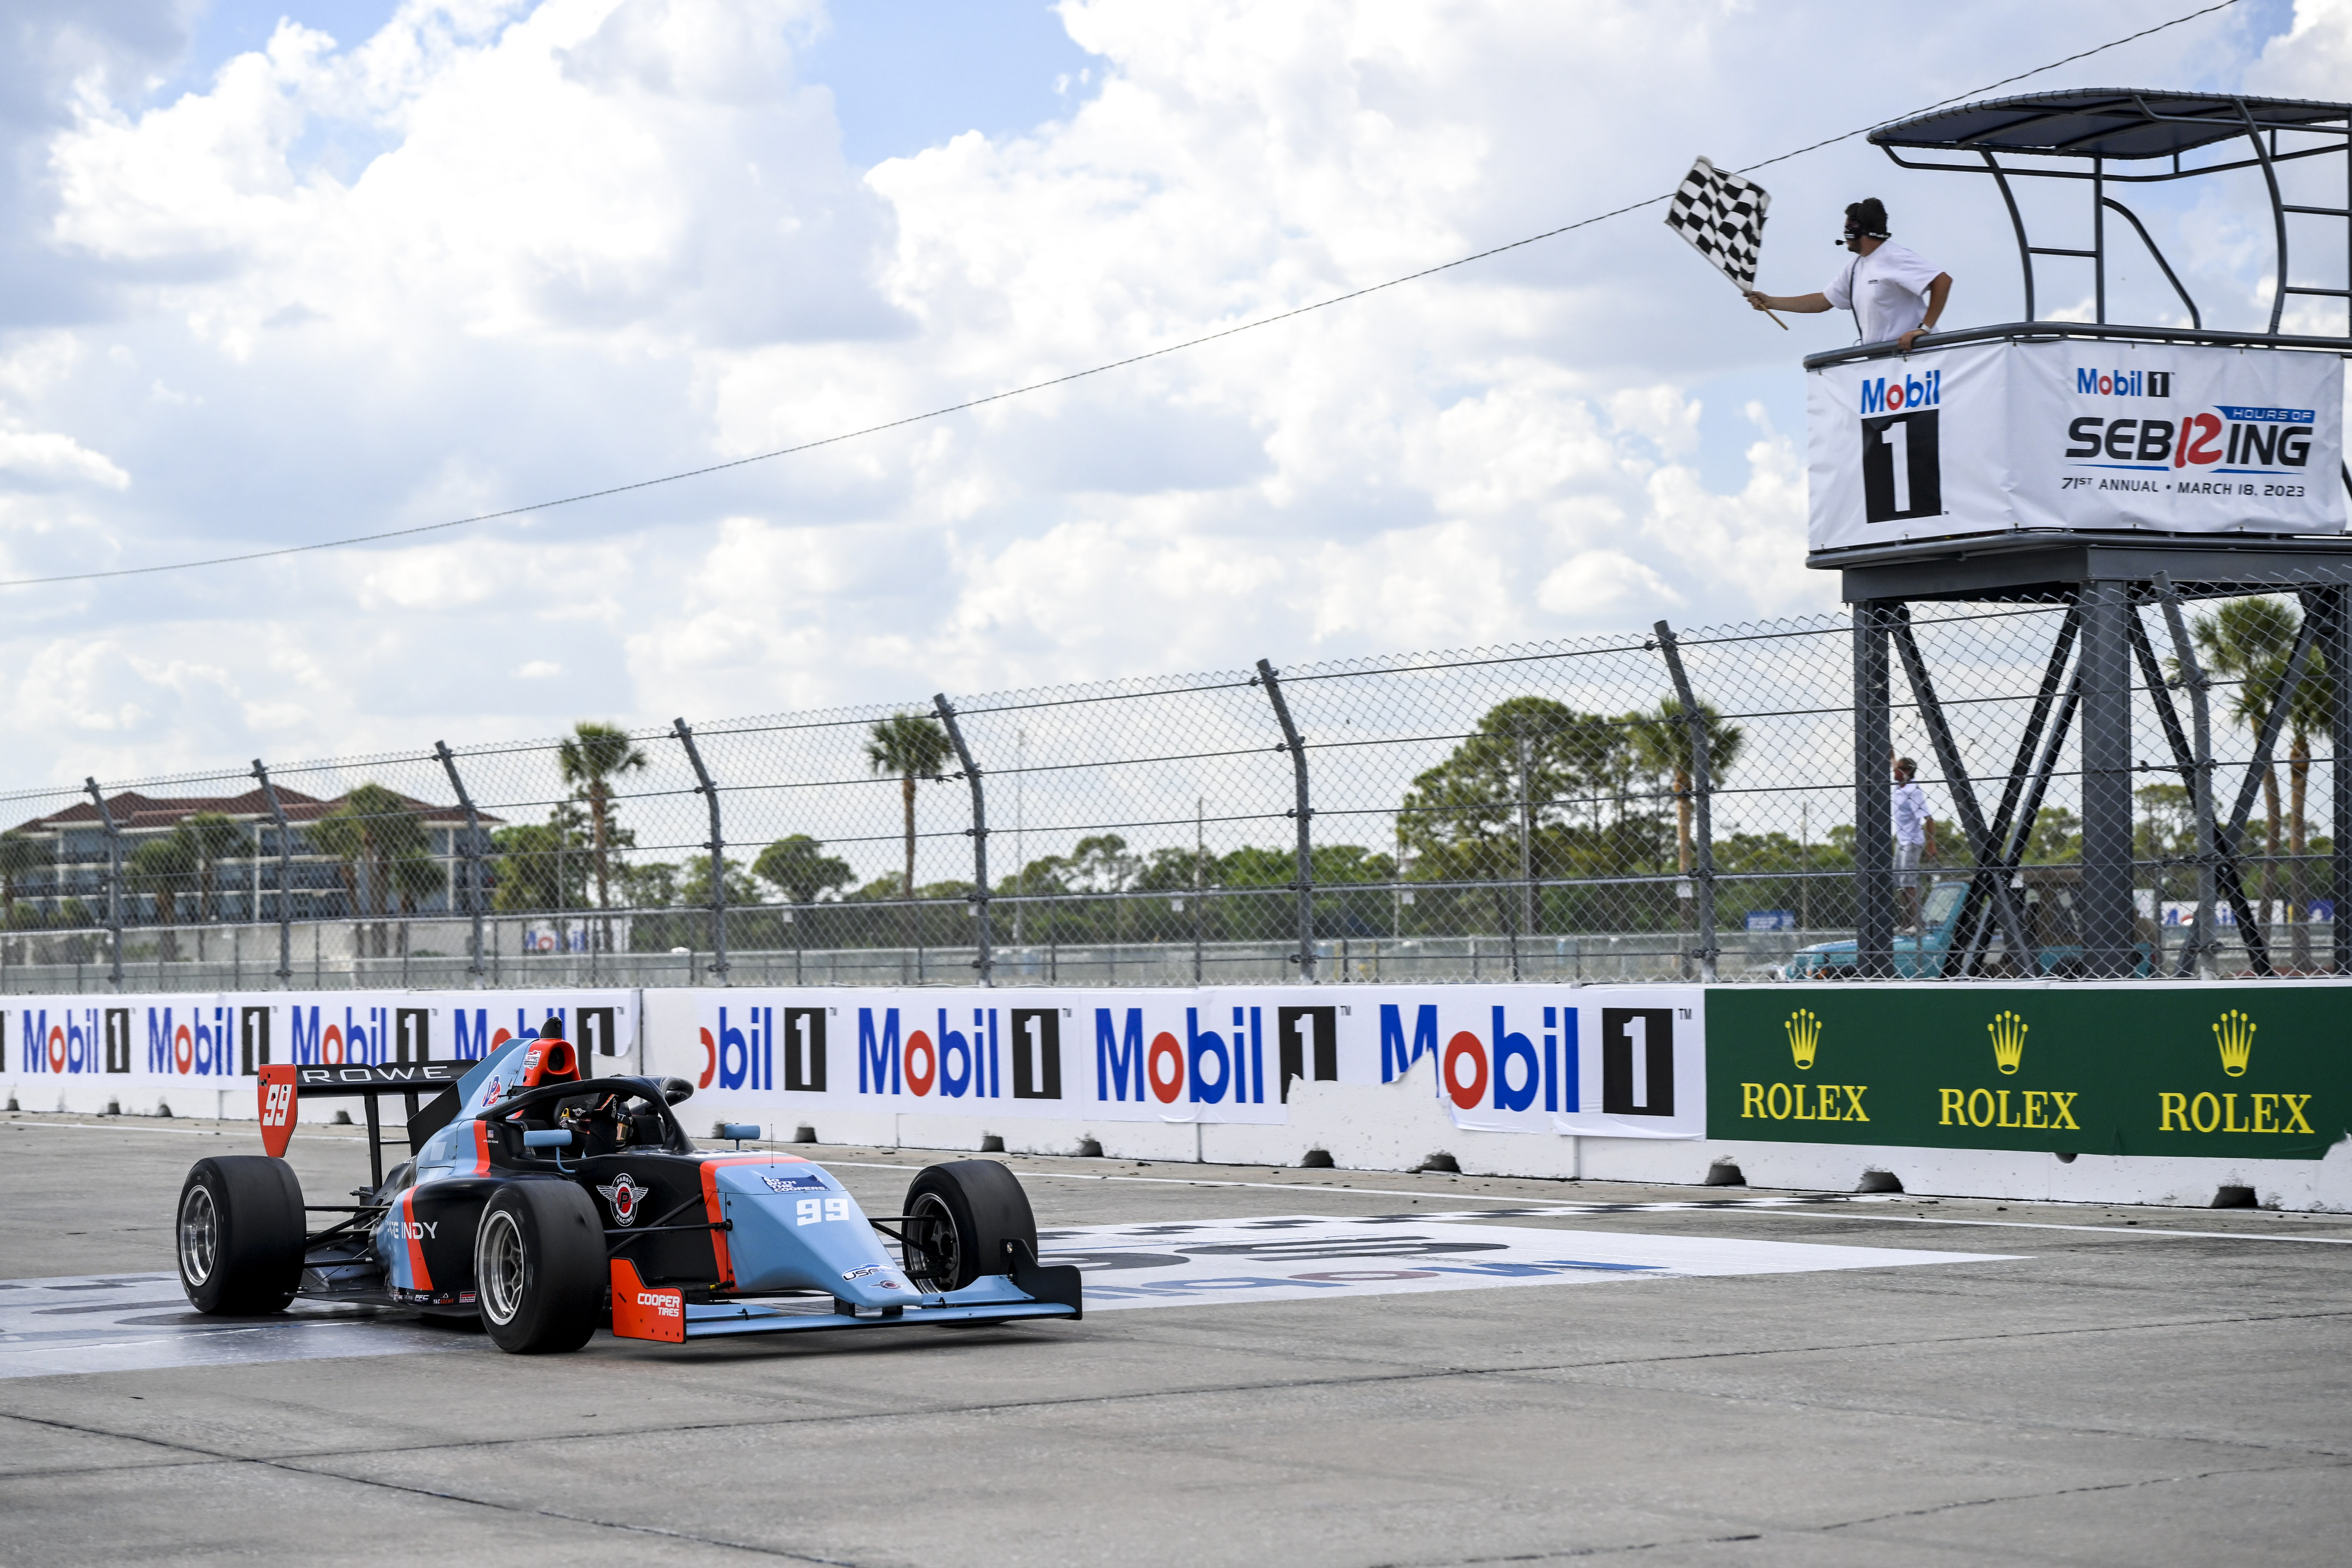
(210, 838)
(2249, 641)
(158, 868)
(589, 759)
(371, 830)
(1664, 739)
(912, 746)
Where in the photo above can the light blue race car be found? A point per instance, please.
(550, 1204)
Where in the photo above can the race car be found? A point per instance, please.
(550, 1204)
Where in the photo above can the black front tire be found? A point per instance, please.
(240, 1234)
(540, 1272)
(961, 1215)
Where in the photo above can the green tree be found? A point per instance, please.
(1531, 748)
(544, 865)
(798, 867)
(371, 830)
(695, 891)
(647, 884)
(909, 746)
(20, 858)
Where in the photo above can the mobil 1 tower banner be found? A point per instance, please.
(1595, 1061)
(2065, 435)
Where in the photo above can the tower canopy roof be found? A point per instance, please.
(2108, 123)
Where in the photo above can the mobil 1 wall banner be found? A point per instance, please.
(148, 1052)
(2061, 435)
(1604, 1061)
(2233, 1072)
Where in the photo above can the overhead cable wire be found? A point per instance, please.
(1103, 369)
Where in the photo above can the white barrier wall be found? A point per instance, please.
(1593, 1082)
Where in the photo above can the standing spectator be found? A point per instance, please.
(1915, 833)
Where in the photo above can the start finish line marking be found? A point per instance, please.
(1316, 1257)
(135, 1323)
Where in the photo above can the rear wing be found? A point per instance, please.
(284, 1086)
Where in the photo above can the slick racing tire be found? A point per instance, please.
(539, 1267)
(959, 1217)
(240, 1234)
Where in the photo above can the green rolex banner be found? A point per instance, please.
(2234, 1071)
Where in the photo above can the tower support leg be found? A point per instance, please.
(1874, 827)
(2108, 912)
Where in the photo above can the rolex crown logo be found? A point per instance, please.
(2236, 1035)
(1804, 1033)
(2008, 1032)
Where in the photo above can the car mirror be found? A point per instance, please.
(547, 1138)
(675, 1091)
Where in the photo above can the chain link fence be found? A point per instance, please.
(1667, 805)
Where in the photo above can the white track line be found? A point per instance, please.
(1799, 1208)
(2042, 1225)
(1788, 1208)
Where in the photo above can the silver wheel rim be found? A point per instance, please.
(498, 1267)
(930, 1254)
(199, 1234)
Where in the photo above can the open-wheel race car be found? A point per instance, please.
(550, 1204)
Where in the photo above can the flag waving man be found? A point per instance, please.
(1893, 292)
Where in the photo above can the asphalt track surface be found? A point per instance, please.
(1904, 1380)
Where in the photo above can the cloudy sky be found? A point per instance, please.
(282, 271)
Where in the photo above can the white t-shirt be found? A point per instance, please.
(1886, 290)
(1910, 814)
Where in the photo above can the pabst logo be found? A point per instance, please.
(624, 1194)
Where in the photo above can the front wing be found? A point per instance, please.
(646, 1312)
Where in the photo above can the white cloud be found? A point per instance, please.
(46, 459)
(506, 250)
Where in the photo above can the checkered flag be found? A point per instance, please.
(1722, 215)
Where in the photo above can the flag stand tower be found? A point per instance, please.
(2032, 536)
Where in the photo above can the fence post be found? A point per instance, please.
(2203, 944)
(1873, 802)
(709, 793)
(285, 880)
(1702, 810)
(473, 860)
(1304, 813)
(113, 887)
(985, 963)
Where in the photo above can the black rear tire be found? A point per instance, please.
(540, 1272)
(960, 1216)
(240, 1234)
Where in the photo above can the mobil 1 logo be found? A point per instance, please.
(1036, 1053)
(594, 1033)
(804, 1049)
(118, 1039)
(1310, 1045)
(1637, 1061)
(412, 1035)
(1901, 467)
(253, 1038)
